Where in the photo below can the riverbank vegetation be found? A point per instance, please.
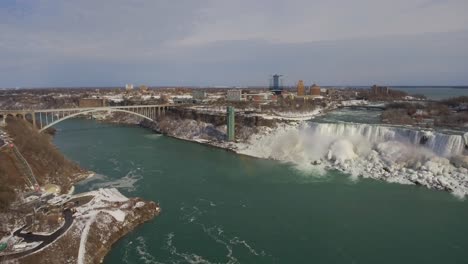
(447, 113)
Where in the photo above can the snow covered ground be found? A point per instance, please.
(291, 116)
(86, 214)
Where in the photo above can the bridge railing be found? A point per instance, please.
(45, 118)
(50, 117)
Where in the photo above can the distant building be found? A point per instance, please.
(143, 89)
(92, 102)
(199, 95)
(300, 88)
(276, 85)
(260, 97)
(315, 90)
(182, 100)
(129, 87)
(379, 90)
(234, 95)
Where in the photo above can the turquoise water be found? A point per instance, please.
(219, 207)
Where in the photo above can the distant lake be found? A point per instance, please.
(434, 93)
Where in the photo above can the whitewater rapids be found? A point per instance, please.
(406, 156)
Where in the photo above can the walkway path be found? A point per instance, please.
(45, 239)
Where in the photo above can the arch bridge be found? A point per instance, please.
(45, 118)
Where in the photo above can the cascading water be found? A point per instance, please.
(394, 154)
(441, 144)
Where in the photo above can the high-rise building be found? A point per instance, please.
(315, 90)
(276, 85)
(300, 88)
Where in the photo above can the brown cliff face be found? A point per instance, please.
(183, 122)
(217, 119)
(47, 163)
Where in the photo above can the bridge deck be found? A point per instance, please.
(80, 109)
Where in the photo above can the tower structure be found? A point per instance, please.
(300, 88)
(276, 85)
(230, 123)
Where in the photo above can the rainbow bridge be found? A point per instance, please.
(45, 118)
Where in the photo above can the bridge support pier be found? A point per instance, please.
(33, 117)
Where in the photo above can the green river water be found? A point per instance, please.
(219, 207)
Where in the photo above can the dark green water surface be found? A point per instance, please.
(219, 207)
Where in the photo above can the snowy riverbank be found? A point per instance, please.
(395, 154)
(99, 219)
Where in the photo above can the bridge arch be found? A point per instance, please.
(93, 111)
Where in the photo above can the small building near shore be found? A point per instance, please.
(199, 95)
(234, 95)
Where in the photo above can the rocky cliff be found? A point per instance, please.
(193, 124)
(45, 160)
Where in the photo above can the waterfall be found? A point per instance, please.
(441, 144)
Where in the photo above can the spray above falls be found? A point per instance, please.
(394, 154)
(441, 144)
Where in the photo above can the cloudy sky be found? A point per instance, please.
(232, 42)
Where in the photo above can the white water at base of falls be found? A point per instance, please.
(393, 154)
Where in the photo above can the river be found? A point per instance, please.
(219, 207)
(434, 93)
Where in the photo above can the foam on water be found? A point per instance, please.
(128, 182)
(211, 203)
(183, 257)
(393, 154)
(237, 241)
(95, 177)
(153, 136)
(191, 214)
(142, 251)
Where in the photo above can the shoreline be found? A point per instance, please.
(393, 173)
(56, 234)
(94, 226)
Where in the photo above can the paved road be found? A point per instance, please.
(2, 143)
(45, 239)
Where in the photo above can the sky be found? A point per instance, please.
(47, 43)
